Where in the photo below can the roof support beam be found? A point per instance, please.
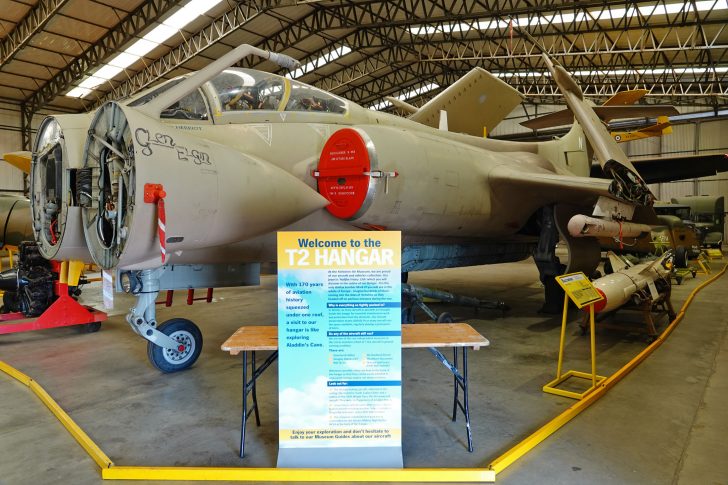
(30, 25)
(126, 30)
(216, 31)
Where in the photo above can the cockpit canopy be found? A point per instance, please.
(235, 91)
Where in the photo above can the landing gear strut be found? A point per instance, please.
(548, 264)
(175, 344)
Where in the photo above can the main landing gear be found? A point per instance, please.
(175, 344)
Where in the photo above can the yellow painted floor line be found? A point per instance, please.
(83, 439)
(519, 450)
(442, 475)
(109, 471)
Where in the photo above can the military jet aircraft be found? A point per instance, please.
(187, 184)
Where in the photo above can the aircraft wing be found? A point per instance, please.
(475, 101)
(668, 169)
(605, 113)
(630, 96)
(549, 188)
(19, 160)
(628, 184)
(557, 118)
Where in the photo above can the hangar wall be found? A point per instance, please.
(10, 140)
(11, 179)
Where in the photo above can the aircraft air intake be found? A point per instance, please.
(55, 212)
(213, 195)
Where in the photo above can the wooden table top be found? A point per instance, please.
(260, 337)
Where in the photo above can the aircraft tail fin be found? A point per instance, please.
(475, 101)
(618, 264)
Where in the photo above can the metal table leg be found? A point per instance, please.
(460, 382)
(455, 385)
(466, 409)
(249, 387)
(245, 404)
(255, 396)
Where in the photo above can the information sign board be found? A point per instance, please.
(339, 334)
(579, 289)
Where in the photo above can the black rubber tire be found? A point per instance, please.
(445, 317)
(608, 267)
(185, 332)
(10, 302)
(681, 257)
(91, 327)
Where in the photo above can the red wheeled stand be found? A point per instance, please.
(63, 312)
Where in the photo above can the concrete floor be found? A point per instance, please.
(664, 423)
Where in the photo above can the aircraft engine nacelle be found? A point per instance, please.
(386, 177)
(14, 220)
(56, 216)
(213, 195)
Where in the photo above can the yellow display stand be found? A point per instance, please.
(579, 289)
(703, 265)
(9, 250)
(714, 253)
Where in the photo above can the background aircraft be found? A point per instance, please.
(619, 106)
(15, 209)
(186, 185)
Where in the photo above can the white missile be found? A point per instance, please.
(585, 226)
(619, 287)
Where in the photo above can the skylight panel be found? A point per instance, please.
(108, 72)
(176, 22)
(606, 13)
(319, 62)
(123, 60)
(78, 92)
(426, 88)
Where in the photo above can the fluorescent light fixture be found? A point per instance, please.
(160, 33)
(91, 82)
(425, 88)
(182, 18)
(140, 48)
(316, 63)
(678, 71)
(107, 72)
(123, 60)
(78, 92)
(146, 44)
(607, 13)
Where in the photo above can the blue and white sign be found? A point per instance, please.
(340, 341)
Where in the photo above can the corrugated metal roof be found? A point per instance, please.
(681, 56)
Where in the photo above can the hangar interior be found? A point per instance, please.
(661, 424)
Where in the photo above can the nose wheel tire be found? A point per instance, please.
(189, 339)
